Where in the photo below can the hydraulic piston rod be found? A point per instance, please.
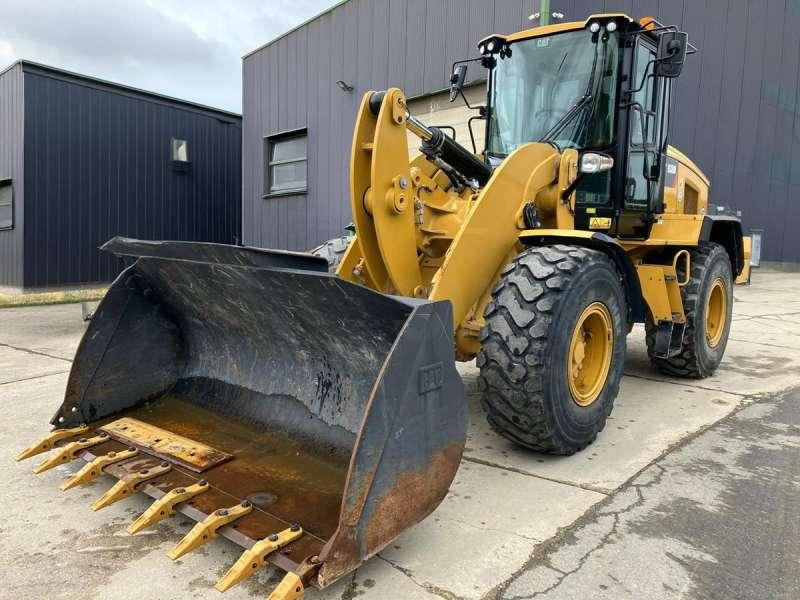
(463, 167)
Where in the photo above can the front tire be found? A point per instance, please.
(708, 306)
(553, 348)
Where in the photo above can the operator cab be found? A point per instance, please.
(602, 88)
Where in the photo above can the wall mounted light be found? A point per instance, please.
(344, 86)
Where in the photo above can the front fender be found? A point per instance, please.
(603, 243)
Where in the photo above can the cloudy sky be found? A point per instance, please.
(190, 49)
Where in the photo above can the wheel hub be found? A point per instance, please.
(590, 354)
(716, 312)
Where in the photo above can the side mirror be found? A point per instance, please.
(671, 53)
(457, 81)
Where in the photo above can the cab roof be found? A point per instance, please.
(562, 27)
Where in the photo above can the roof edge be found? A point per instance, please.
(295, 28)
(10, 67)
(33, 66)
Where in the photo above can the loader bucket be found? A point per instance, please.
(308, 419)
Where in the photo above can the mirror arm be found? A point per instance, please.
(690, 48)
(464, 98)
(644, 77)
(469, 127)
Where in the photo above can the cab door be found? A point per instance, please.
(648, 114)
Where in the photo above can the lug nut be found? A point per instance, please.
(245, 503)
(202, 482)
(295, 527)
(222, 512)
(179, 491)
(273, 537)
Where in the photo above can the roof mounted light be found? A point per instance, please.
(611, 26)
(492, 45)
(594, 27)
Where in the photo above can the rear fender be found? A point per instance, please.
(726, 230)
(603, 243)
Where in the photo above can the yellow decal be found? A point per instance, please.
(600, 223)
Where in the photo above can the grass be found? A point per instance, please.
(57, 297)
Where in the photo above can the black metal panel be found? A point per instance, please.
(11, 167)
(735, 108)
(99, 164)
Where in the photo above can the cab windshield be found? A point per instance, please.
(566, 81)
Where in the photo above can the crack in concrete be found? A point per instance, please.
(583, 486)
(482, 528)
(33, 377)
(431, 589)
(605, 539)
(349, 591)
(691, 385)
(548, 547)
(764, 344)
(36, 352)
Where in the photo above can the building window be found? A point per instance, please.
(286, 163)
(6, 204)
(180, 150)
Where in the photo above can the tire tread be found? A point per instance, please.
(512, 359)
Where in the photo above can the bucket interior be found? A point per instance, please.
(274, 367)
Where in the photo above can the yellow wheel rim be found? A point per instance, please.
(716, 312)
(590, 353)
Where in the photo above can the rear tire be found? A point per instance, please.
(333, 251)
(708, 294)
(527, 348)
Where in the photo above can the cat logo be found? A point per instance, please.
(600, 223)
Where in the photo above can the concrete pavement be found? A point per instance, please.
(507, 509)
(717, 518)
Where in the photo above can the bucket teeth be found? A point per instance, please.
(290, 588)
(253, 560)
(126, 487)
(164, 507)
(93, 470)
(48, 442)
(70, 452)
(206, 530)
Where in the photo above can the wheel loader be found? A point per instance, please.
(311, 417)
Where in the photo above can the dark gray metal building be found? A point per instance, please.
(83, 160)
(735, 108)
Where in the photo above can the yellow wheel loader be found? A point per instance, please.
(311, 417)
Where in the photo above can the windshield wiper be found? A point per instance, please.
(579, 106)
(577, 109)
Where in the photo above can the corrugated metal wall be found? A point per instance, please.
(735, 106)
(290, 84)
(11, 145)
(98, 164)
